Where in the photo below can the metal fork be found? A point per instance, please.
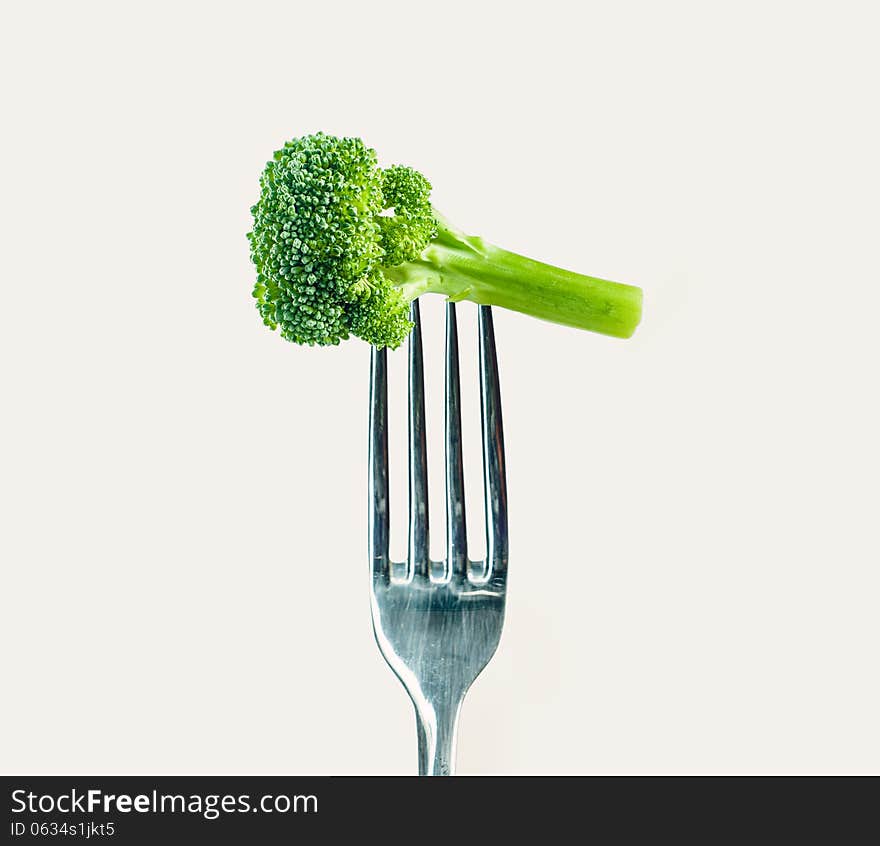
(438, 623)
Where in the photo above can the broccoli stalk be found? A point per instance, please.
(465, 267)
(342, 247)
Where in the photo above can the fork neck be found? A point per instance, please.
(437, 728)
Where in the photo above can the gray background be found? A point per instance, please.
(694, 546)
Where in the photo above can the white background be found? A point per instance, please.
(694, 540)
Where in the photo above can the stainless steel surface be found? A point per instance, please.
(438, 623)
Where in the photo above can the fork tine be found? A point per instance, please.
(378, 520)
(456, 530)
(418, 454)
(494, 475)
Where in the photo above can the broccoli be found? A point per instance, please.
(342, 246)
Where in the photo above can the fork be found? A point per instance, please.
(438, 623)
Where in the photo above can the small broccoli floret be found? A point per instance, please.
(407, 232)
(342, 247)
(381, 316)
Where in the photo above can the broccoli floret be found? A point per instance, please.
(342, 247)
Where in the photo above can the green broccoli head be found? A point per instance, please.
(327, 221)
(342, 247)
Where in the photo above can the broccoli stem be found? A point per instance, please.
(464, 267)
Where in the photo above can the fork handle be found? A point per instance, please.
(437, 729)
